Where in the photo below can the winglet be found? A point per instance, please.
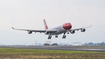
(12, 28)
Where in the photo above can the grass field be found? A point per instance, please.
(13, 53)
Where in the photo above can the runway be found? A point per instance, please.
(70, 48)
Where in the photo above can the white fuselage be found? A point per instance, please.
(59, 30)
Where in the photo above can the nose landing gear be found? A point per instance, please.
(67, 32)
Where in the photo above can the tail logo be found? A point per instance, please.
(46, 27)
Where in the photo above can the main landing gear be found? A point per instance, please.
(56, 36)
(49, 37)
(64, 36)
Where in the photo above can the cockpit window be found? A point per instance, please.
(68, 24)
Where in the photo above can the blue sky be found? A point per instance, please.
(29, 14)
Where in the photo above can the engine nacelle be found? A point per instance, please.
(83, 30)
(72, 31)
(29, 32)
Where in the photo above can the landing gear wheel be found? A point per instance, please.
(49, 37)
(64, 36)
(67, 32)
(56, 36)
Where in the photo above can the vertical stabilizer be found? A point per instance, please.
(45, 24)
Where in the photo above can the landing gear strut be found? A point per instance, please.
(49, 37)
(64, 36)
(67, 32)
(56, 36)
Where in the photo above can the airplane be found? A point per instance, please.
(62, 29)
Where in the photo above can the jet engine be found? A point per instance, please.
(72, 31)
(83, 30)
(29, 32)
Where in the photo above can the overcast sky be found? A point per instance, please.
(29, 14)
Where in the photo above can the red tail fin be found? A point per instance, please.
(46, 27)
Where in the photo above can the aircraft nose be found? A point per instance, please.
(67, 26)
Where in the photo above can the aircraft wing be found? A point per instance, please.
(41, 31)
(82, 28)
